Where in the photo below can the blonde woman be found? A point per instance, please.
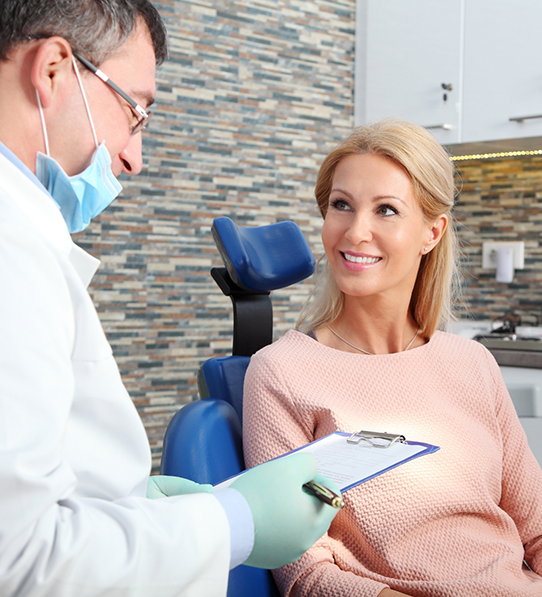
(369, 353)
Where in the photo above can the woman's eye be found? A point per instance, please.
(340, 205)
(387, 210)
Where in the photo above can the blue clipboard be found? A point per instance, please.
(364, 455)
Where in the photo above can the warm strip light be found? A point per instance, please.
(487, 156)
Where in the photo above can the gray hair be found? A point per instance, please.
(94, 28)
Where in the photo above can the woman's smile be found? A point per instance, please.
(358, 262)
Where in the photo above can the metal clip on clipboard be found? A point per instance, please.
(371, 436)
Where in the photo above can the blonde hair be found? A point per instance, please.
(432, 174)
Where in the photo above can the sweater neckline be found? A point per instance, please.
(412, 351)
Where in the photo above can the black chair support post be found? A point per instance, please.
(252, 314)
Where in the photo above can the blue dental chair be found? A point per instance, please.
(203, 441)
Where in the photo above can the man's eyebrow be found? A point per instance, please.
(144, 98)
(149, 100)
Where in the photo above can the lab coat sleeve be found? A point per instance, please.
(54, 540)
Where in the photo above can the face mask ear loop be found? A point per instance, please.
(43, 127)
(85, 101)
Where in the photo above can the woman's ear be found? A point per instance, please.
(51, 66)
(435, 233)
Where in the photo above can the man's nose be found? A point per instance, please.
(130, 156)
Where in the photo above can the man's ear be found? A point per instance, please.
(52, 65)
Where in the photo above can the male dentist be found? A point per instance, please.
(77, 78)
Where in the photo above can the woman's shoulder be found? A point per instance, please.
(459, 347)
(447, 338)
(288, 358)
(292, 343)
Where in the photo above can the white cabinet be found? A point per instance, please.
(503, 69)
(489, 51)
(405, 51)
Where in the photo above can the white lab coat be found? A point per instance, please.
(74, 457)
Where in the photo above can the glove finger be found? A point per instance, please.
(180, 486)
(164, 486)
(153, 489)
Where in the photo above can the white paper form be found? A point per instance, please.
(349, 464)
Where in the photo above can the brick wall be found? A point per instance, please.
(501, 200)
(255, 93)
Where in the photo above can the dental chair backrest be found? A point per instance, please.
(203, 441)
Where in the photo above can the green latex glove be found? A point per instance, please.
(287, 520)
(160, 486)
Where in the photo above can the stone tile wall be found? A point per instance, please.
(253, 96)
(501, 200)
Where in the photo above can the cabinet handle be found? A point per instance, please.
(522, 118)
(446, 127)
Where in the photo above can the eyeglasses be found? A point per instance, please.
(141, 115)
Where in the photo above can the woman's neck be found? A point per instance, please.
(377, 328)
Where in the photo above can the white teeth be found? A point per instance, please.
(360, 259)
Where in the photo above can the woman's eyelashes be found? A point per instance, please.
(384, 209)
(387, 210)
(339, 204)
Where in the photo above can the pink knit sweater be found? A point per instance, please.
(455, 523)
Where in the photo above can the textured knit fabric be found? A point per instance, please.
(454, 523)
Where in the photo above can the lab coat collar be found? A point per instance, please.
(42, 210)
(85, 265)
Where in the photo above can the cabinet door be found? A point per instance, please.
(405, 51)
(503, 69)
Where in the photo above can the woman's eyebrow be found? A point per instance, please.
(386, 197)
(339, 190)
(374, 199)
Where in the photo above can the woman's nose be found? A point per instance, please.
(359, 230)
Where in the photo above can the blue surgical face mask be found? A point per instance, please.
(85, 195)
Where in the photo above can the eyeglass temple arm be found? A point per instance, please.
(101, 75)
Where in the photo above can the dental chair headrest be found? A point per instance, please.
(263, 258)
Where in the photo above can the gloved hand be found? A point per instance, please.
(287, 520)
(160, 486)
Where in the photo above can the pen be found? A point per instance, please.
(323, 494)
